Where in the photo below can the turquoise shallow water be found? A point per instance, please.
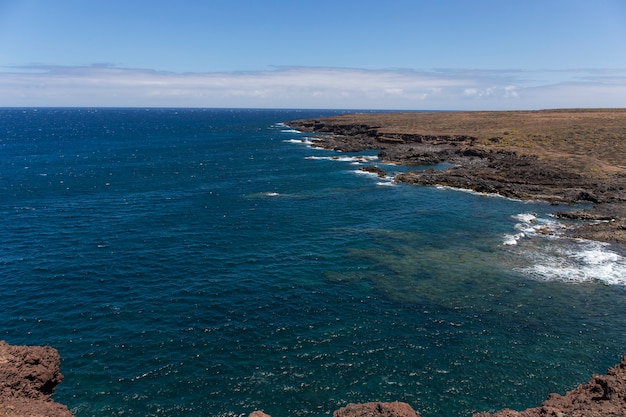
(209, 262)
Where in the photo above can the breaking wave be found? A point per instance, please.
(563, 259)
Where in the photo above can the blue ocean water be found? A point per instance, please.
(204, 262)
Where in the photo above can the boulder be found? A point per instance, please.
(258, 413)
(376, 409)
(374, 170)
(28, 376)
(373, 409)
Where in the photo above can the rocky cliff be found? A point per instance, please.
(28, 376)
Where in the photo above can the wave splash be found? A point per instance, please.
(585, 261)
(563, 259)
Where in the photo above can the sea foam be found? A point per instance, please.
(305, 141)
(358, 159)
(582, 261)
(562, 259)
(528, 225)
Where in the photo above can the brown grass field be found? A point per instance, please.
(566, 154)
(592, 141)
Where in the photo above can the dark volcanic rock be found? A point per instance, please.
(374, 170)
(529, 163)
(520, 177)
(28, 375)
(601, 396)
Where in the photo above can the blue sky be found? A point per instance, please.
(396, 54)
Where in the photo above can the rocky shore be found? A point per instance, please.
(559, 156)
(601, 396)
(29, 375)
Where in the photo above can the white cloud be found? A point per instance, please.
(510, 91)
(305, 87)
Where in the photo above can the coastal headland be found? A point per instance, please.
(574, 157)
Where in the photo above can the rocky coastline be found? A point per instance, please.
(602, 396)
(29, 375)
(571, 157)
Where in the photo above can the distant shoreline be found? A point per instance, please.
(560, 156)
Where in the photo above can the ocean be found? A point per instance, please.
(210, 262)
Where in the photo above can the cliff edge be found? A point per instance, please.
(28, 376)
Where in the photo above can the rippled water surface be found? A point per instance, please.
(210, 262)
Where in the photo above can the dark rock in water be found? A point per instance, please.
(28, 375)
(374, 170)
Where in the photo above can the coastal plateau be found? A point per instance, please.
(574, 157)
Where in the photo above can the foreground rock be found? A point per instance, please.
(373, 409)
(558, 156)
(28, 376)
(602, 396)
(394, 409)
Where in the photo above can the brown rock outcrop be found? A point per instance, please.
(258, 413)
(28, 376)
(376, 409)
(601, 396)
(373, 409)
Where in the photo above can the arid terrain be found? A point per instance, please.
(559, 156)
